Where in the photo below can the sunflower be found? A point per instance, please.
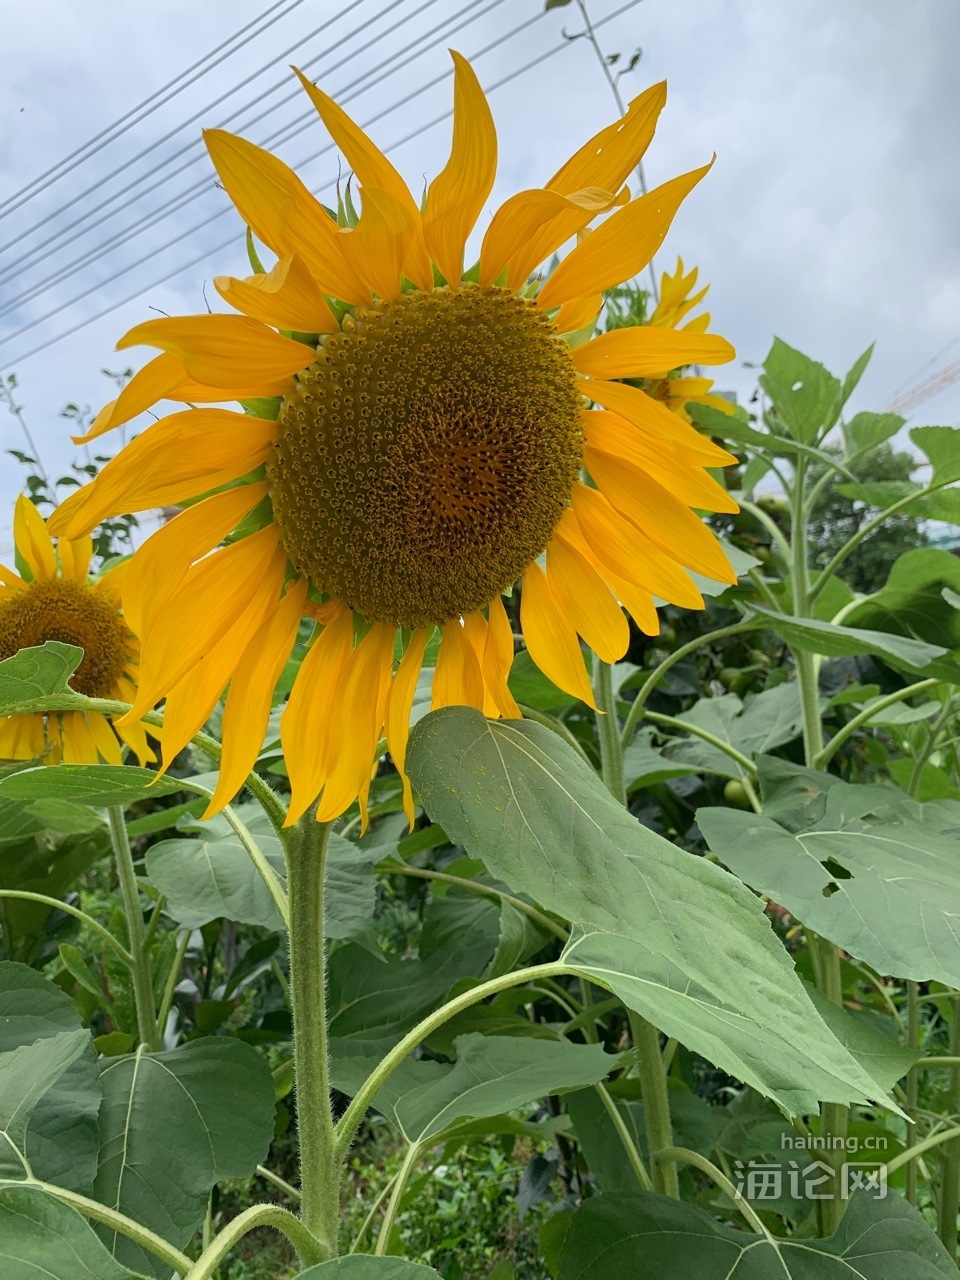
(416, 440)
(675, 388)
(55, 599)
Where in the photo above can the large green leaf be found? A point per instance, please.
(942, 446)
(885, 1059)
(843, 642)
(172, 1126)
(99, 785)
(649, 1237)
(878, 875)
(204, 880)
(911, 600)
(27, 1073)
(362, 1266)
(676, 938)
(492, 1075)
(61, 1137)
(43, 1239)
(865, 431)
(37, 679)
(765, 721)
(802, 391)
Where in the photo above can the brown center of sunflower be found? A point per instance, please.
(427, 456)
(58, 609)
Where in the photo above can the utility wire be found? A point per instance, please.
(205, 255)
(140, 112)
(180, 127)
(162, 211)
(308, 120)
(39, 252)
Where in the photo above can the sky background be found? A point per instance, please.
(829, 218)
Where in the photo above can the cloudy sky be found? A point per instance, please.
(829, 218)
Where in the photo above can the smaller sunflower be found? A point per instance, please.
(56, 599)
(676, 389)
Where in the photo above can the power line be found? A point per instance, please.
(39, 252)
(173, 132)
(305, 121)
(187, 196)
(127, 121)
(205, 255)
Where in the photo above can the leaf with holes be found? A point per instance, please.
(877, 874)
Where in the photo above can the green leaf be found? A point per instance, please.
(902, 652)
(649, 1237)
(765, 721)
(98, 785)
(492, 1075)
(26, 1074)
(802, 391)
(886, 1061)
(61, 1137)
(362, 1266)
(204, 880)
(877, 874)
(351, 893)
(941, 445)
(728, 427)
(46, 1240)
(645, 766)
(911, 601)
(515, 795)
(880, 493)
(865, 431)
(531, 688)
(172, 1126)
(37, 679)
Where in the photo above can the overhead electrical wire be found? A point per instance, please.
(138, 113)
(172, 133)
(344, 95)
(206, 254)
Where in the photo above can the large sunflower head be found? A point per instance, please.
(416, 440)
(56, 599)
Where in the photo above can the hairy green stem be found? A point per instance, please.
(863, 717)
(626, 1138)
(635, 713)
(307, 1246)
(771, 526)
(720, 1180)
(950, 1183)
(280, 1183)
(119, 1222)
(483, 891)
(396, 1196)
(170, 985)
(305, 846)
(608, 732)
(140, 970)
(934, 1140)
(656, 1103)
(930, 744)
(349, 1122)
(102, 933)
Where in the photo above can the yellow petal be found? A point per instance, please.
(656, 421)
(377, 247)
(686, 479)
(550, 637)
(498, 659)
(286, 298)
(305, 723)
(476, 628)
(246, 711)
(219, 349)
(665, 520)
(107, 743)
(361, 704)
(32, 539)
(457, 679)
(180, 457)
(642, 352)
(399, 707)
(457, 195)
(81, 551)
(529, 226)
(619, 545)
(586, 600)
(78, 743)
(622, 246)
(145, 388)
(611, 155)
(576, 315)
(191, 702)
(373, 169)
(135, 736)
(21, 737)
(281, 212)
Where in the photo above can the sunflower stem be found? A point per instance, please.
(140, 971)
(305, 847)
